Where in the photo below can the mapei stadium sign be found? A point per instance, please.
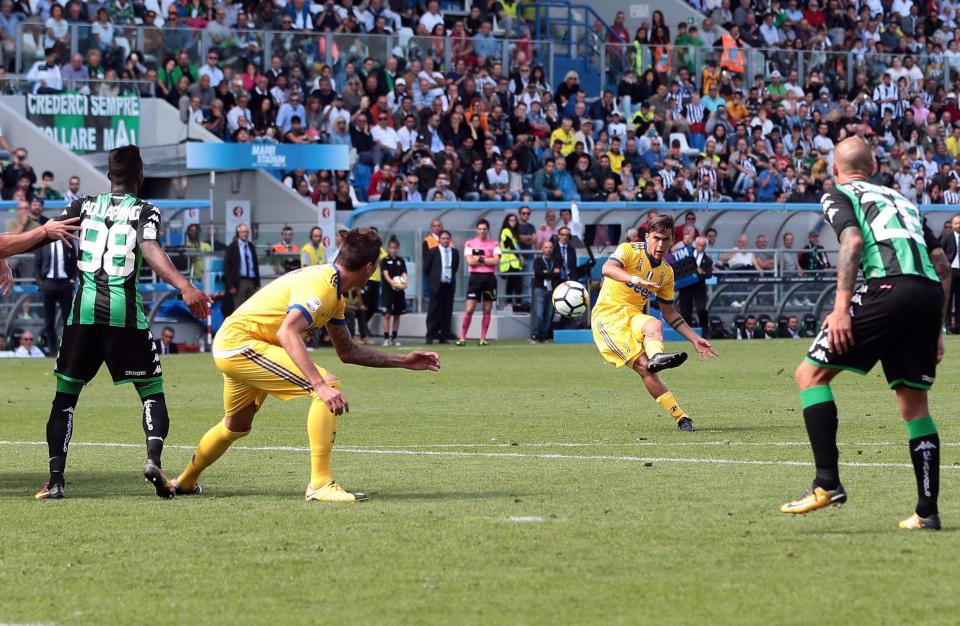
(271, 156)
(86, 123)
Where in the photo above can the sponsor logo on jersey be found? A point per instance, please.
(313, 304)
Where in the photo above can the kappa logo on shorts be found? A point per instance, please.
(129, 373)
(927, 379)
(819, 355)
(313, 304)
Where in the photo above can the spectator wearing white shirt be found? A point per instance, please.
(211, 69)
(499, 179)
(240, 109)
(769, 32)
(45, 76)
(333, 112)
(73, 191)
(407, 136)
(431, 18)
(385, 136)
(27, 348)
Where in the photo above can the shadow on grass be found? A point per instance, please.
(450, 495)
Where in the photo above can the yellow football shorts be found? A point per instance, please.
(619, 337)
(258, 370)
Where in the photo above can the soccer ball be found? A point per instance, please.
(571, 299)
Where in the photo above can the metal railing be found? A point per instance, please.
(17, 84)
(571, 36)
(240, 47)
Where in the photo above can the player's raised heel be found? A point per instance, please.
(155, 476)
(666, 360)
(685, 425)
(50, 491)
(181, 491)
(816, 498)
(915, 522)
(333, 492)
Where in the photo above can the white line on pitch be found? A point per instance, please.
(501, 455)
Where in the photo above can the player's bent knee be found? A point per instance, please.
(653, 328)
(809, 375)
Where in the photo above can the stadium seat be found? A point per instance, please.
(685, 148)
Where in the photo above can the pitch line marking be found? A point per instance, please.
(504, 455)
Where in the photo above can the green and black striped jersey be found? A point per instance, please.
(109, 258)
(896, 238)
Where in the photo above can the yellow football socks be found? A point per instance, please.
(670, 405)
(211, 447)
(322, 430)
(652, 347)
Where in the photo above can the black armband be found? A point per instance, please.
(677, 323)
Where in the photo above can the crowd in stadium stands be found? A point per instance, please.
(466, 111)
(685, 121)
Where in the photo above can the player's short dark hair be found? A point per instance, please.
(124, 165)
(484, 222)
(360, 246)
(662, 224)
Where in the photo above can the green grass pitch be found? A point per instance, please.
(519, 485)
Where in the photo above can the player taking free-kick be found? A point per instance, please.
(260, 351)
(106, 323)
(896, 317)
(633, 276)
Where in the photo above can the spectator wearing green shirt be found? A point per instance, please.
(184, 68)
(45, 191)
(687, 42)
(776, 90)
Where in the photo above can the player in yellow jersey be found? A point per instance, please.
(261, 352)
(633, 276)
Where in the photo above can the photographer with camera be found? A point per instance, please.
(483, 256)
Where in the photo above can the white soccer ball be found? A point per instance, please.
(571, 299)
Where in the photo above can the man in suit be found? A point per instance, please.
(565, 255)
(951, 247)
(440, 266)
(241, 270)
(695, 295)
(55, 266)
(165, 344)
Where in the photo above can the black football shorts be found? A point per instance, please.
(482, 287)
(896, 321)
(130, 354)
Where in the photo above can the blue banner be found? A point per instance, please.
(273, 156)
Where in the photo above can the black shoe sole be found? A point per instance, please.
(678, 359)
(686, 430)
(53, 495)
(153, 475)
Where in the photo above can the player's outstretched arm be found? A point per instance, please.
(670, 315)
(198, 302)
(839, 324)
(53, 230)
(349, 352)
(6, 278)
